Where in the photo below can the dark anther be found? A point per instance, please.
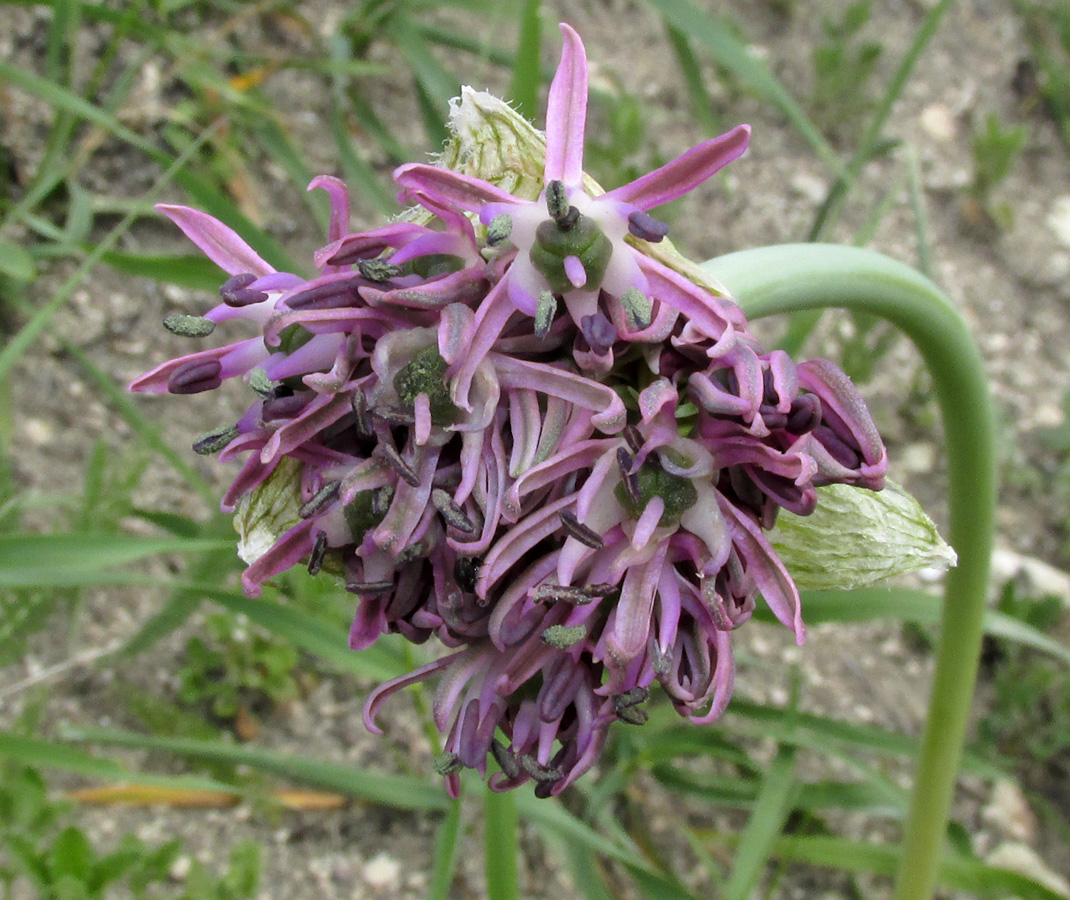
(359, 401)
(506, 759)
(568, 221)
(580, 532)
(378, 269)
(283, 407)
(447, 764)
(262, 386)
(215, 440)
(189, 326)
(628, 479)
(552, 593)
(544, 314)
(538, 771)
(451, 512)
(662, 660)
(633, 439)
(637, 307)
(466, 572)
(320, 499)
(369, 587)
(557, 200)
(645, 227)
(389, 455)
(235, 291)
(394, 416)
(195, 376)
(599, 332)
(499, 229)
(319, 550)
(626, 706)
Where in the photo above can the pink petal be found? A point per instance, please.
(566, 113)
(339, 194)
(685, 173)
(217, 241)
(470, 194)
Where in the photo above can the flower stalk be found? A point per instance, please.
(796, 277)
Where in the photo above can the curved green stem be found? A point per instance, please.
(794, 277)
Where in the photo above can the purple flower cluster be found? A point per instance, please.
(518, 431)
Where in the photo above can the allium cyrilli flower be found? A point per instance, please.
(516, 422)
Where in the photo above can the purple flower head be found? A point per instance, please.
(509, 425)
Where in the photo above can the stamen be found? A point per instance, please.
(378, 269)
(394, 416)
(195, 376)
(359, 402)
(283, 407)
(633, 438)
(319, 550)
(628, 480)
(447, 764)
(262, 386)
(505, 758)
(234, 291)
(662, 660)
(557, 200)
(561, 637)
(580, 532)
(451, 512)
(405, 472)
(599, 332)
(189, 326)
(626, 706)
(319, 500)
(645, 227)
(541, 773)
(637, 307)
(552, 593)
(499, 229)
(544, 314)
(369, 587)
(215, 440)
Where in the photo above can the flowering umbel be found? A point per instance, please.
(514, 423)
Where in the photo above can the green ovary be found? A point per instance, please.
(678, 493)
(584, 240)
(426, 374)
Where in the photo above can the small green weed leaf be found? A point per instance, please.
(857, 538)
(16, 262)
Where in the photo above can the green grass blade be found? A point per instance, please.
(380, 662)
(524, 88)
(956, 873)
(196, 272)
(446, 851)
(774, 801)
(501, 845)
(702, 105)
(396, 791)
(47, 560)
(39, 753)
(730, 52)
(435, 85)
(37, 324)
(908, 605)
(921, 217)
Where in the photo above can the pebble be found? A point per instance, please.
(1059, 219)
(382, 870)
(180, 867)
(939, 122)
(1009, 813)
(918, 457)
(809, 186)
